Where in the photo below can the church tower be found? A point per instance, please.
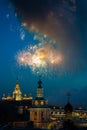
(39, 113)
(17, 94)
(68, 109)
(39, 90)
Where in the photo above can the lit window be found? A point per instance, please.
(35, 115)
(36, 102)
(42, 102)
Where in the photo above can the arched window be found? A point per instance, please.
(35, 115)
(42, 116)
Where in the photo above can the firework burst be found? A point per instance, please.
(41, 58)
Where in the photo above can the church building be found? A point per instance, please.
(40, 112)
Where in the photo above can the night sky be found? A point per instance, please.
(58, 27)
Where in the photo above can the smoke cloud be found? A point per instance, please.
(61, 20)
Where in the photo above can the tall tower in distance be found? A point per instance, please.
(17, 94)
(40, 112)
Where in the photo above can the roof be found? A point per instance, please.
(68, 107)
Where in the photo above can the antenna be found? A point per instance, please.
(68, 95)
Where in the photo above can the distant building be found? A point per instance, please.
(17, 95)
(68, 109)
(40, 112)
(21, 109)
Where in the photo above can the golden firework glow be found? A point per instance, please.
(42, 57)
(39, 58)
(57, 60)
(24, 58)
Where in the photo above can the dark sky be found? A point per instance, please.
(63, 21)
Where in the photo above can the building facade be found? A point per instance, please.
(40, 112)
(17, 95)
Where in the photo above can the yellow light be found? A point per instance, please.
(39, 57)
(36, 102)
(42, 102)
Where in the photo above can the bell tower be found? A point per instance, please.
(40, 112)
(39, 90)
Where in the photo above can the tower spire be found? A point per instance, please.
(68, 109)
(40, 82)
(17, 94)
(17, 81)
(68, 96)
(40, 89)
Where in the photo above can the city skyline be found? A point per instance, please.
(66, 25)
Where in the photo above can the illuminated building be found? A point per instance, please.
(40, 112)
(37, 109)
(17, 95)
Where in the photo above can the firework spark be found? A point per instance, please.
(40, 59)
